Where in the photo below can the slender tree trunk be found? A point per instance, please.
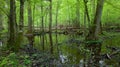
(101, 31)
(93, 8)
(97, 18)
(29, 16)
(42, 21)
(77, 13)
(12, 27)
(93, 14)
(86, 12)
(57, 10)
(1, 23)
(46, 17)
(20, 38)
(50, 26)
(30, 25)
(34, 10)
(85, 25)
(69, 14)
(85, 28)
(21, 24)
(93, 42)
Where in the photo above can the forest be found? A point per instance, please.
(59, 33)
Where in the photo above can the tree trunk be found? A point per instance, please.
(42, 21)
(101, 31)
(69, 14)
(46, 17)
(12, 27)
(1, 23)
(77, 24)
(93, 14)
(50, 26)
(93, 42)
(57, 9)
(21, 24)
(30, 27)
(86, 12)
(93, 8)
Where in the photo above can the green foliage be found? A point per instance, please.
(26, 60)
(66, 10)
(13, 60)
(10, 60)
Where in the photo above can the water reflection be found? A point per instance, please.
(74, 54)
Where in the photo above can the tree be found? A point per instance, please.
(50, 27)
(42, 22)
(86, 13)
(56, 20)
(77, 13)
(93, 42)
(30, 35)
(21, 23)
(12, 27)
(1, 23)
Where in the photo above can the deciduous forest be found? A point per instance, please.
(59, 33)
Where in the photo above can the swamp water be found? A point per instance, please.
(71, 50)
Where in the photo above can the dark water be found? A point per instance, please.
(71, 49)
